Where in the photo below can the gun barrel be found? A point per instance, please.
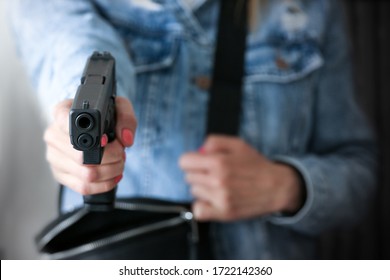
(85, 121)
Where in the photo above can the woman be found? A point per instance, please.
(304, 161)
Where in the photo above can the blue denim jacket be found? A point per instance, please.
(298, 102)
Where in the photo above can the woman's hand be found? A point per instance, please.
(231, 180)
(67, 163)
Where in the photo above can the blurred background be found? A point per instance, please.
(369, 26)
(28, 193)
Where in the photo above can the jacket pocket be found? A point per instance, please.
(282, 61)
(151, 36)
(278, 102)
(152, 52)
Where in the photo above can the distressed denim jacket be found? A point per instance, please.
(298, 105)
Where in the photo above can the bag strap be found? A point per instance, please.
(224, 109)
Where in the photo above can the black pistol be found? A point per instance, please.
(92, 115)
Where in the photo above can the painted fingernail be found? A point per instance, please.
(127, 137)
(118, 179)
(201, 150)
(104, 140)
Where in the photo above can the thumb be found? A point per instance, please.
(126, 122)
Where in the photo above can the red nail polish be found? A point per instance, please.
(127, 137)
(201, 150)
(104, 140)
(118, 179)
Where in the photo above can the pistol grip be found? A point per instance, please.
(93, 157)
(102, 201)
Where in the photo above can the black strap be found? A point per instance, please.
(224, 109)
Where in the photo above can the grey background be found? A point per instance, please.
(27, 190)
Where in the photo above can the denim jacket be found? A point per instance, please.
(298, 102)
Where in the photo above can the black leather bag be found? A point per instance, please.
(135, 229)
(149, 228)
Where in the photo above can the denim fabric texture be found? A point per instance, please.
(298, 102)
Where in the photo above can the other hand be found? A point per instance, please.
(230, 180)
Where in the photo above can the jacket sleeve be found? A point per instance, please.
(339, 170)
(54, 39)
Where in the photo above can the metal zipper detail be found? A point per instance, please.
(184, 216)
(62, 226)
(150, 207)
(116, 238)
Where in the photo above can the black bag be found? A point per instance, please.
(134, 229)
(149, 228)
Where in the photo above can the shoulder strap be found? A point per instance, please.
(224, 108)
